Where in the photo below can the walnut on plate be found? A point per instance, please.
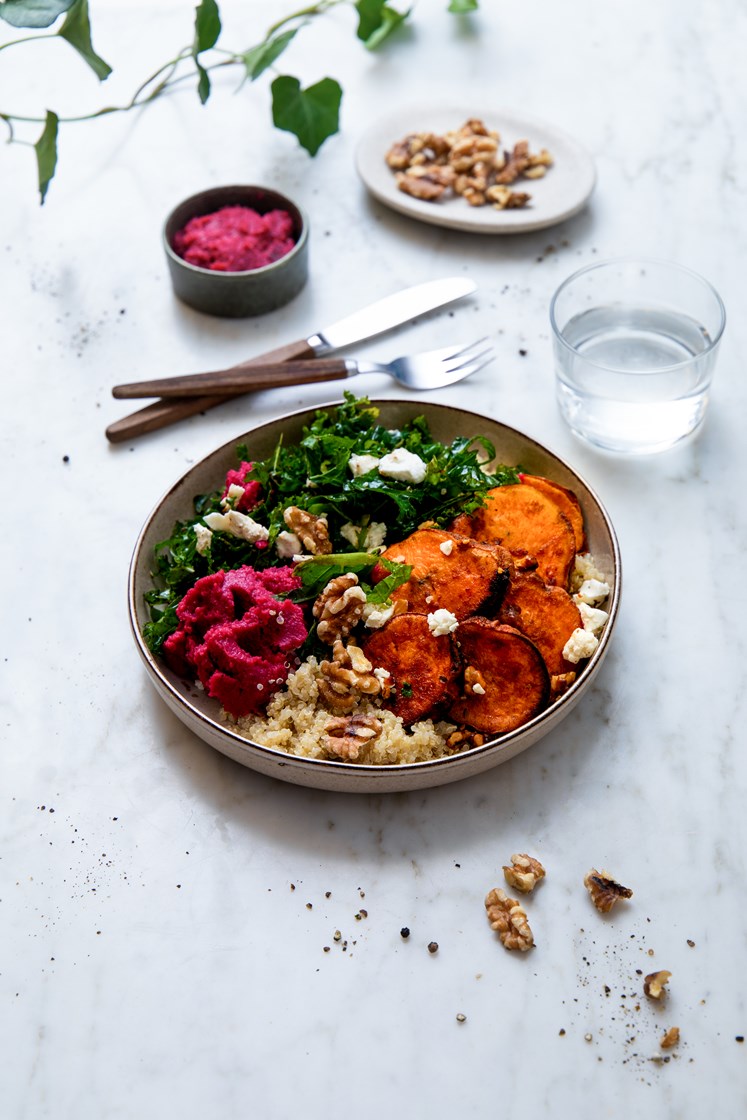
(670, 1038)
(313, 532)
(604, 891)
(524, 874)
(339, 608)
(347, 734)
(347, 677)
(468, 161)
(508, 918)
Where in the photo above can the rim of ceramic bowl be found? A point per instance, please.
(236, 188)
(497, 744)
(714, 340)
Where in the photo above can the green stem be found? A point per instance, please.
(137, 100)
(317, 9)
(27, 39)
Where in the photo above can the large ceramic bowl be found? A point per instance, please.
(201, 715)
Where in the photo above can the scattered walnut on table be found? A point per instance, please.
(339, 608)
(604, 891)
(313, 532)
(508, 918)
(524, 874)
(670, 1038)
(347, 734)
(654, 983)
(346, 678)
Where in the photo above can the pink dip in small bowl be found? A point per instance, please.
(235, 239)
(237, 251)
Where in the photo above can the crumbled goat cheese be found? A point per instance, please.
(233, 495)
(592, 618)
(478, 689)
(382, 675)
(204, 537)
(446, 547)
(584, 568)
(593, 591)
(288, 544)
(579, 646)
(442, 622)
(351, 533)
(238, 525)
(403, 466)
(301, 556)
(362, 464)
(376, 616)
(375, 535)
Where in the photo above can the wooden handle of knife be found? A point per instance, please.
(165, 412)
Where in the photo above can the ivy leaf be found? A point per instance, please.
(207, 30)
(376, 21)
(77, 30)
(203, 82)
(207, 26)
(33, 13)
(461, 6)
(311, 114)
(46, 153)
(260, 57)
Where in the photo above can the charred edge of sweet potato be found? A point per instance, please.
(423, 668)
(566, 501)
(470, 579)
(545, 614)
(517, 683)
(522, 518)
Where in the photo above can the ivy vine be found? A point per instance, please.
(311, 114)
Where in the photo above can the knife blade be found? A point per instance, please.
(385, 314)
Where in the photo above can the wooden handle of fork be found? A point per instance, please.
(165, 412)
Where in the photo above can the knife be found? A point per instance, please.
(384, 314)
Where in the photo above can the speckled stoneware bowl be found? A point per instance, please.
(201, 715)
(237, 295)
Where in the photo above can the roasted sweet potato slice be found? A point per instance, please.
(423, 668)
(514, 681)
(544, 614)
(524, 520)
(452, 572)
(565, 500)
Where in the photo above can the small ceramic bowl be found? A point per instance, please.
(202, 715)
(238, 295)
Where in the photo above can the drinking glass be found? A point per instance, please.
(635, 345)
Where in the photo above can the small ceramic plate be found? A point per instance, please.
(563, 191)
(201, 714)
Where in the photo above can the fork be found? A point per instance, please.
(430, 370)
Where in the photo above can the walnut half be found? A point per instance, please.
(508, 918)
(604, 891)
(313, 532)
(346, 678)
(339, 607)
(654, 983)
(347, 734)
(524, 874)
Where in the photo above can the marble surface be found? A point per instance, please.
(163, 911)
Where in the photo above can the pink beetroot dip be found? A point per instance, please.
(235, 239)
(237, 637)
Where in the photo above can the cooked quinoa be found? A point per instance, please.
(295, 722)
